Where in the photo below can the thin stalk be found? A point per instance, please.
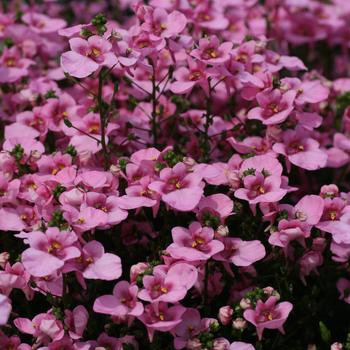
(102, 121)
(154, 109)
(208, 123)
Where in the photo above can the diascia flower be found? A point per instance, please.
(274, 106)
(179, 188)
(162, 318)
(194, 244)
(123, 301)
(49, 251)
(268, 315)
(301, 149)
(262, 180)
(241, 253)
(86, 56)
(168, 286)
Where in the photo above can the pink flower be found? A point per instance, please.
(5, 309)
(195, 243)
(40, 23)
(187, 78)
(269, 315)
(288, 231)
(188, 328)
(309, 262)
(107, 204)
(217, 205)
(258, 188)
(241, 253)
(307, 91)
(48, 251)
(76, 321)
(210, 51)
(13, 66)
(160, 23)
(97, 264)
(44, 327)
(238, 345)
(122, 303)
(309, 209)
(168, 286)
(180, 189)
(274, 107)
(301, 149)
(86, 56)
(162, 319)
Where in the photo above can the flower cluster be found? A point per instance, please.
(174, 175)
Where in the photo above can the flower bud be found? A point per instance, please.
(225, 315)
(245, 303)
(194, 344)
(337, 346)
(268, 291)
(114, 169)
(190, 162)
(222, 231)
(4, 257)
(221, 344)
(239, 323)
(137, 269)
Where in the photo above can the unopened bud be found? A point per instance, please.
(222, 231)
(225, 315)
(239, 323)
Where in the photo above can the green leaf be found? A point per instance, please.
(325, 333)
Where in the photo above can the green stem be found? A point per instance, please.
(102, 120)
(154, 108)
(208, 123)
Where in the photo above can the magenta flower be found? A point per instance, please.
(86, 56)
(49, 251)
(269, 315)
(274, 107)
(241, 253)
(194, 244)
(123, 301)
(180, 189)
(168, 286)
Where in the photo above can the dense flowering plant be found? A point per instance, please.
(174, 174)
